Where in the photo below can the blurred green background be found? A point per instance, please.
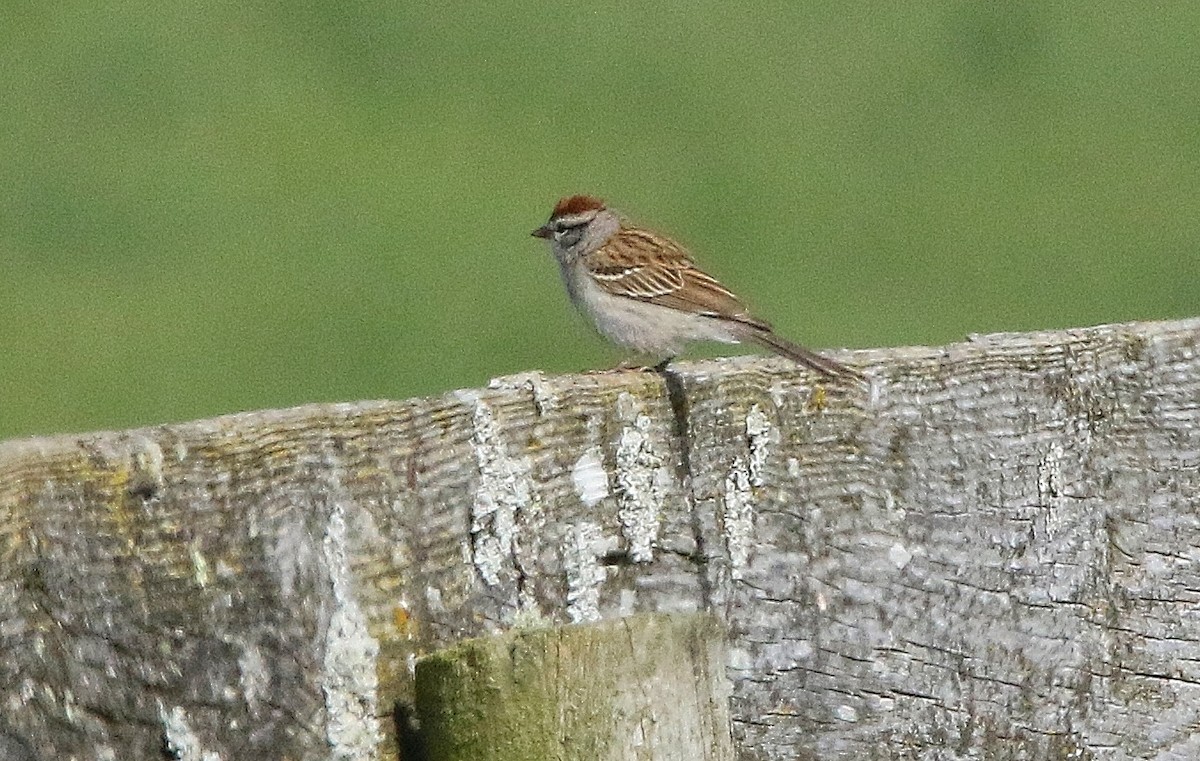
(225, 206)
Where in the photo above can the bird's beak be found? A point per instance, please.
(545, 231)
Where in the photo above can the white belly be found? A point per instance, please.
(647, 328)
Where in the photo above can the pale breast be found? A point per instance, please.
(643, 327)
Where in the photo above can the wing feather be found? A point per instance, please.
(670, 279)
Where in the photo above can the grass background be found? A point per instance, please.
(225, 206)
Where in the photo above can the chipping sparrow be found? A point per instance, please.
(644, 292)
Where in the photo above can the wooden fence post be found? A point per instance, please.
(993, 553)
(643, 687)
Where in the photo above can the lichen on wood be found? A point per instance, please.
(991, 552)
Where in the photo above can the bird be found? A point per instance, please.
(643, 291)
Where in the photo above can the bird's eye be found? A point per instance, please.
(568, 235)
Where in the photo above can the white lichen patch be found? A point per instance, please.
(779, 393)
(179, 738)
(290, 550)
(758, 436)
(899, 555)
(876, 390)
(200, 570)
(254, 677)
(585, 575)
(433, 599)
(505, 488)
(349, 680)
(1051, 489)
(627, 603)
(846, 712)
(544, 399)
(784, 655)
(146, 476)
(740, 659)
(589, 478)
(1049, 472)
(737, 517)
(641, 482)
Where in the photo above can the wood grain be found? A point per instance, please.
(990, 554)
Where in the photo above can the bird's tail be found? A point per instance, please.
(797, 353)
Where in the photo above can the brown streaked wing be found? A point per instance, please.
(672, 281)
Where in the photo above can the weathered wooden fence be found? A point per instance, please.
(993, 553)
